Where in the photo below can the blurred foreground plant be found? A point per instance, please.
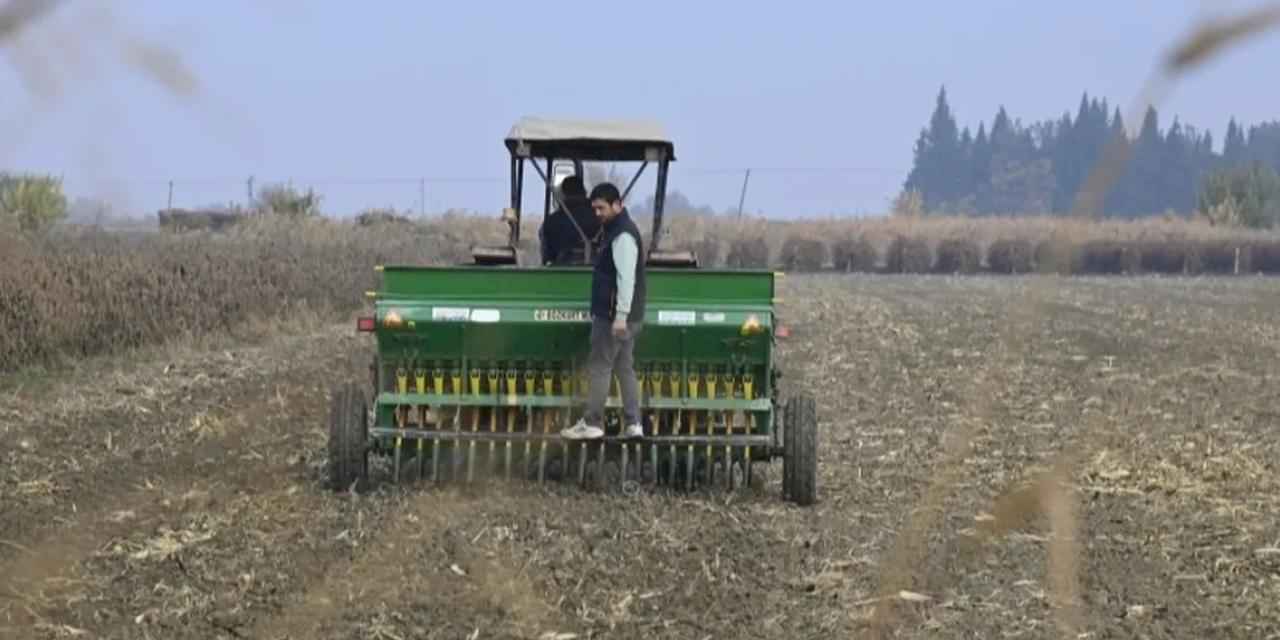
(31, 203)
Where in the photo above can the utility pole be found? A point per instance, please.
(248, 204)
(742, 199)
(170, 207)
(422, 197)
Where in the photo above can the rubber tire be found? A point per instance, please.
(801, 456)
(348, 439)
(788, 464)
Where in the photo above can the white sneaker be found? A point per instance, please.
(633, 431)
(582, 431)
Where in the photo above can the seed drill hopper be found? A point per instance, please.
(477, 367)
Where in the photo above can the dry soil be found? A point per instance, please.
(1101, 462)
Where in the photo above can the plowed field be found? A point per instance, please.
(178, 493)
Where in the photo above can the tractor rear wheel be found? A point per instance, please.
(348, 439)
(800, 455)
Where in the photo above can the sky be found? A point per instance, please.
(364, 104)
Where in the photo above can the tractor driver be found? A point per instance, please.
(558, 235)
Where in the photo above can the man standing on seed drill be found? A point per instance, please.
(617, 312)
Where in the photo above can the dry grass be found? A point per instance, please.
(128, 290)
(853, 254)
(1107, 256)
(908, 255)
(1264, 256)
(1011, 256)
(801, 253)
(77, 294)
(966, 245)
(748, 254)
(958, 255)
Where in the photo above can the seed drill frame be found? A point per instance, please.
(477, 367)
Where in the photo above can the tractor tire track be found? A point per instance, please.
(424, 554)
(369, 573)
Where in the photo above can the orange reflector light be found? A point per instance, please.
(364, 324)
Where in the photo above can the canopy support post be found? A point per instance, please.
(659, 199)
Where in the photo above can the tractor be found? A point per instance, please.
(477, 366)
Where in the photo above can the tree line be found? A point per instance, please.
(1038, 168)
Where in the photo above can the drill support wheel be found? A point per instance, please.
(348, 440)
(800, 456)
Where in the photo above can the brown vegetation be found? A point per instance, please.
(1002, 245)
(1212, 257)
(958, 255)
(1168, 258)
(707, 251)
(1106, 256)
(908, 255)
(1010, 256)
(1264, 256)
(181, 220)
(1057, 255)
(853, 254)
(801, 253)
(748, 253)
(371, 217)
(73, 294)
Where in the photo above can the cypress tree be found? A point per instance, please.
(1233, 147)
(939, 165)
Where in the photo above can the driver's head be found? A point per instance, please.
(606, 201)
(571, 187)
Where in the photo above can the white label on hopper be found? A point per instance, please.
(450, 314)
(677, 317)
(485, 315)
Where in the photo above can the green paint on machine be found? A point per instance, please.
(476, 368)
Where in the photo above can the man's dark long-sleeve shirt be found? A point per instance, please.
(558, 235)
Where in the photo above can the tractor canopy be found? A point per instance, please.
(546, 144)
(590, 140)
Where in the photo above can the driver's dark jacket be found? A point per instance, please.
(558, 235)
